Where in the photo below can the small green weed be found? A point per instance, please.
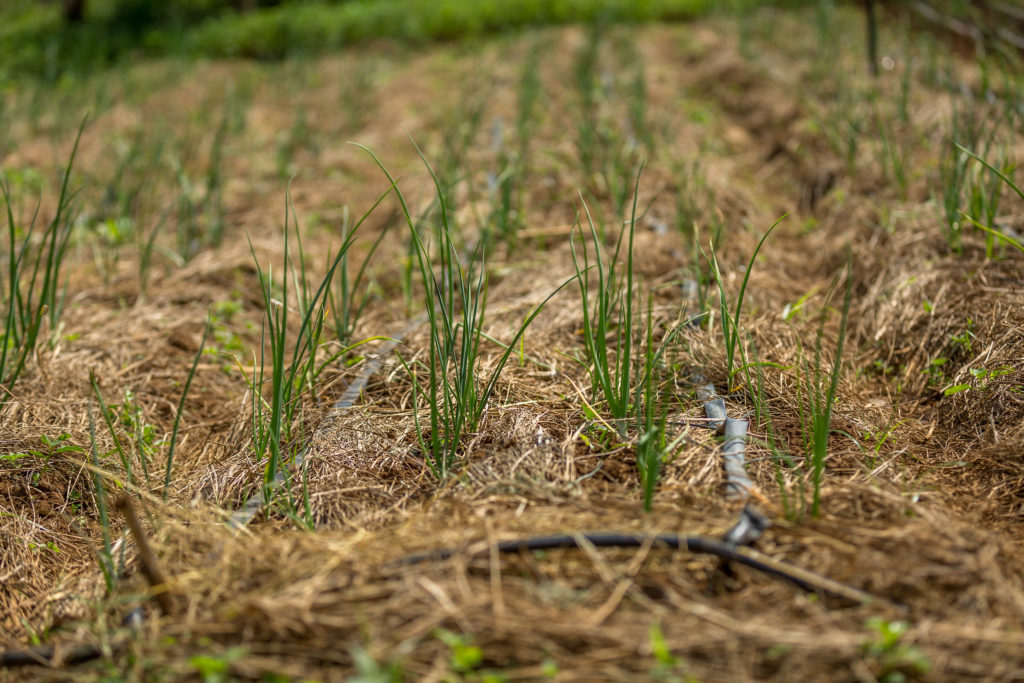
(659, 648)
(369, 670)
(964, 340)
(893, 661)
(935, 371)
(667, 667)
(108, 239)
(464, 656)
(982, 379)
(55, 445)
(215, 668)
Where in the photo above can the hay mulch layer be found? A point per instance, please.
(921, 501)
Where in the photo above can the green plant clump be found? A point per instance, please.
(32, 297)
(293, 361)
(455, 300)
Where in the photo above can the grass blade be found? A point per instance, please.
(181, 406)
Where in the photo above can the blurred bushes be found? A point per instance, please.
(312, 27)
(35, 41)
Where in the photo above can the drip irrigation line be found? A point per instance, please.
(734, 448)
(731, 552)
(714, 405)
(734, 451)
(749, 528)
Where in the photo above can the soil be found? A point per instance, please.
(921, 501)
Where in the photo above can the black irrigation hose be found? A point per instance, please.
(729, 552)
(44, 654)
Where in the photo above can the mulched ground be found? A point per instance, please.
(922, 497)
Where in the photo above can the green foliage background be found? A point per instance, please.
(36, 42)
